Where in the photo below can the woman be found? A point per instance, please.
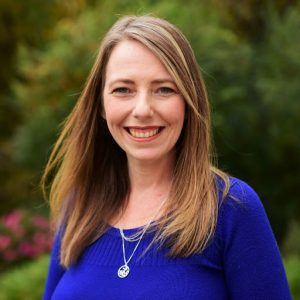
(141, 212)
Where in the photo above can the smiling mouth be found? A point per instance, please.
(143, 132)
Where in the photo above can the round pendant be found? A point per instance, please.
(123, 271)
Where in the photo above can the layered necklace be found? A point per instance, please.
(124, 270)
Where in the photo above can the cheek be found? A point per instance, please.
(177, 113)
(112, 111)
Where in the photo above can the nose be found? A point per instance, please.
(143, 106)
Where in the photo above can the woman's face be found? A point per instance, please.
(142, 105)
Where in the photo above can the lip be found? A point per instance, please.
(141, 130)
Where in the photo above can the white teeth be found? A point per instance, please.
(143, 134)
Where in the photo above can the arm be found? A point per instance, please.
(55, 271)
(252, 262)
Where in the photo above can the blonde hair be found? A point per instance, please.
(91, 181)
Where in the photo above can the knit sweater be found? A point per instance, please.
(241, 262)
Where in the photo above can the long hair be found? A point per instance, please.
(91, 181)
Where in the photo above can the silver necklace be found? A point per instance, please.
(136, 236)
(124, 270)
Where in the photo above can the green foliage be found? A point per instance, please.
(19, 23)
(23, 29)
(291, 244)
(25, 282)
(292, 266)
(256, 134)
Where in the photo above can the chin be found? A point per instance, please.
(147, 156)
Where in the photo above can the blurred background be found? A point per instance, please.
(249, 53)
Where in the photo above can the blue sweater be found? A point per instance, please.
(241, 262)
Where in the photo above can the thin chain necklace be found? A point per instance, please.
(124, 270)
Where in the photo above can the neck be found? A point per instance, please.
(147, 177)
(150, 185)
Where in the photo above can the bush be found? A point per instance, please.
(23, 236)
(292, 266)
(291, 245)
(25, 282)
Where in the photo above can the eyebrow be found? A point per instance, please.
(128, 81)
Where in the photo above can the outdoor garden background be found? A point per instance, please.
(249, 52)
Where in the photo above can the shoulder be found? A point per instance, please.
(242, 223)
(240, 210)
(243, 231)
(56, 270)
(240, 195)
(247, 245)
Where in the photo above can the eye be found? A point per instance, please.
(166, 90)
(121, 90)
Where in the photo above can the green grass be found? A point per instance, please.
(292, 267)
(25, 282)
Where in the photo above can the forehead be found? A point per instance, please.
(132, 58)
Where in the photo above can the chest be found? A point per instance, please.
(152, 275)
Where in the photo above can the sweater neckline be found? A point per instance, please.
(115, 231)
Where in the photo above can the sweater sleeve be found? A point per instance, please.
(252, 262)
(55, 271)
